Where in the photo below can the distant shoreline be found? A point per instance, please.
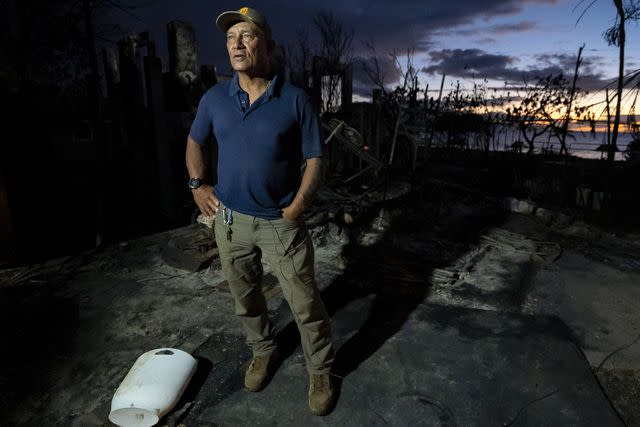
(580, 144)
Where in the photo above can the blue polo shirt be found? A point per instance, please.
(260, 147)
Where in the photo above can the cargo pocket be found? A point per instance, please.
(297, 261)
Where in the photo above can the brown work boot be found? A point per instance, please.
(320, 394)
(257, 374)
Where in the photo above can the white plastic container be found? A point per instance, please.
(152, 387)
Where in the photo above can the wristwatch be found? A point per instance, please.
(195, 183)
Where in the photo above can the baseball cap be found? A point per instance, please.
(226, 19)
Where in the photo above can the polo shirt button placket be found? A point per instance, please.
(244, 100)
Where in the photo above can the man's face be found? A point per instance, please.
(246, 47)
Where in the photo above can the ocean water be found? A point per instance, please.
(585, 145)
(580, 143)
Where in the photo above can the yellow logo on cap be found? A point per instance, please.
(244, 10)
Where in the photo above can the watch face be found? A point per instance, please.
(194, 183)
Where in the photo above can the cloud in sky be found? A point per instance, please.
(492, 31)
(442, 34)
(468, 62)
(512, 28)
(478, 64)
(409, 23)
(362, 82)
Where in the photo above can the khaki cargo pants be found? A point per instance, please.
(288, 249)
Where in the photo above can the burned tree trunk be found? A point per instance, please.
(621, 37)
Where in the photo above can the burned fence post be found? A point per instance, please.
(140, 117)
(131, 79)
(339, 77)
(182, 52)
(377, 101)
(316, 82)
(182, 81)
(208, 76)
(346, 72)
(156, 104)
(111, 70)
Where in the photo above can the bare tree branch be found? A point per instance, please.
(371, 66)
(335, 48)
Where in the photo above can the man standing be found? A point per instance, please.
(265, 127)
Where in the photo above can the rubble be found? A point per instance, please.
(436, 274)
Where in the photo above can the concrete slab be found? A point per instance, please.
(445, 367)
(77, 332)
(599, 302)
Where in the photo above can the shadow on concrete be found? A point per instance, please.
(402, 361)
(396, 279)
(182, 408)
(446, 366)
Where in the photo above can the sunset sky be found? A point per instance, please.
(497, 40)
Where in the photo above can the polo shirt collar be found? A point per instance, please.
(272, 86)
(234, 86)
